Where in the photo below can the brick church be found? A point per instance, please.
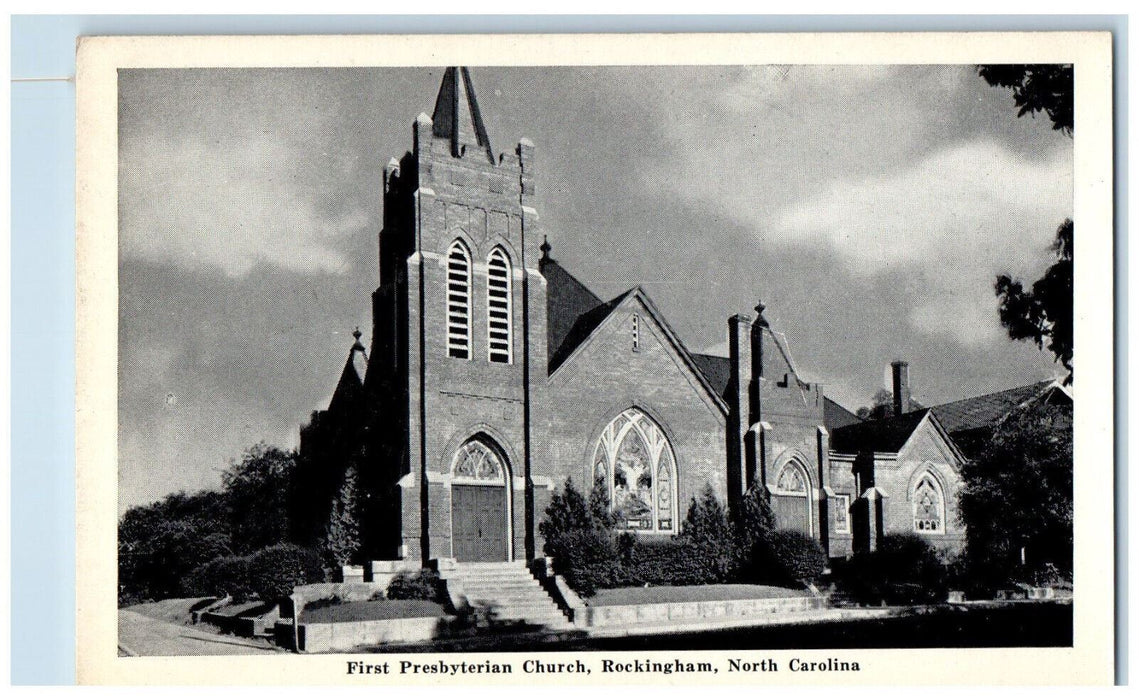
(494, 377)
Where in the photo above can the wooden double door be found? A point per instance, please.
(478, 522)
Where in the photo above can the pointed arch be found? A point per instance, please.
(928, 499)
(499, 307)
(791, 496)
(459, 300)
(634, 461)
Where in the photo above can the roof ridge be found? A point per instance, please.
(994, 393)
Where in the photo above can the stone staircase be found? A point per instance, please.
(503, 594)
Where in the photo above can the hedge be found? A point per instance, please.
(275, 571)
(588, 559)
(904, 569)
(791, 556)
(220, 577)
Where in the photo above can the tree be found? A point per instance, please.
(706, 528)
(342, 535)
(1036, 88)
(161, 543)
(1046, 311)
(257, 495)
(1043, 313)
(882, 406)
(1018, 496)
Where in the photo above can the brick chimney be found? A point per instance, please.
(901, 386)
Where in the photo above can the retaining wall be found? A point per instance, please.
(605, 615)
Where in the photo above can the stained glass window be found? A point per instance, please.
(928, 506)
(476, 460)
(635, 462)
(840, 513)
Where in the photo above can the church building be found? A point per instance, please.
(493, 377)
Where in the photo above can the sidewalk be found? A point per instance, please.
(140, 635)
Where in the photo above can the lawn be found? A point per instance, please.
(687, 594)
(373, 610)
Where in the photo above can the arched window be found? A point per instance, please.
(635, 462)
(790, 499)
(929, 506)
(478, 461)
(459, 301)
(499, 322)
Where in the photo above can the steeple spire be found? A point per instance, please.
(457, 115)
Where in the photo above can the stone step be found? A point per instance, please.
(513, 605)
(510, 566)
(493, 578)
(512, 587)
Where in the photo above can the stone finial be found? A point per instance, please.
(546, 248)
(357, 345)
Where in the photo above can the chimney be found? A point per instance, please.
(901, 386)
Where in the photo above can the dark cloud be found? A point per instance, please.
(250, 204)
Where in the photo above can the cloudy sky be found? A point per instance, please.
(869, 207)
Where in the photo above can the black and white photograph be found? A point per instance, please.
(479, 362)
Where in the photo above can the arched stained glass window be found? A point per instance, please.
(476, 460)
(459, 301)
(929, 506)
(499, 323)
(634, 460)
(791, 480)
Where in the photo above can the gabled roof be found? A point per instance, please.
(588, 323)
(717, 370)
(835, 416)
(988, 410)
(885, 435)
(567, 302)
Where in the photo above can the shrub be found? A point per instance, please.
(587, 558)
(220, 577)
(709, 536)
(791, 555)
(753, 524)
(674, 562)
(421, 585)
(580, 538)
(275, 571)
(905, 569)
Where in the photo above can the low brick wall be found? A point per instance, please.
(606, 615)
(316, 637)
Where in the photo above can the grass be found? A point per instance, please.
(373, 610)
(687, 594)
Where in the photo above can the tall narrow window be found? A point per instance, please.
(459, 301)
(499, 323)
(636, 333)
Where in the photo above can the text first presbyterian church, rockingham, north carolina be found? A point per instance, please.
(493, 377)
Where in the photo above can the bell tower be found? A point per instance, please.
(460, 312)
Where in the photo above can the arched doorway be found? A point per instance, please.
(480, 502)
(790, 498)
